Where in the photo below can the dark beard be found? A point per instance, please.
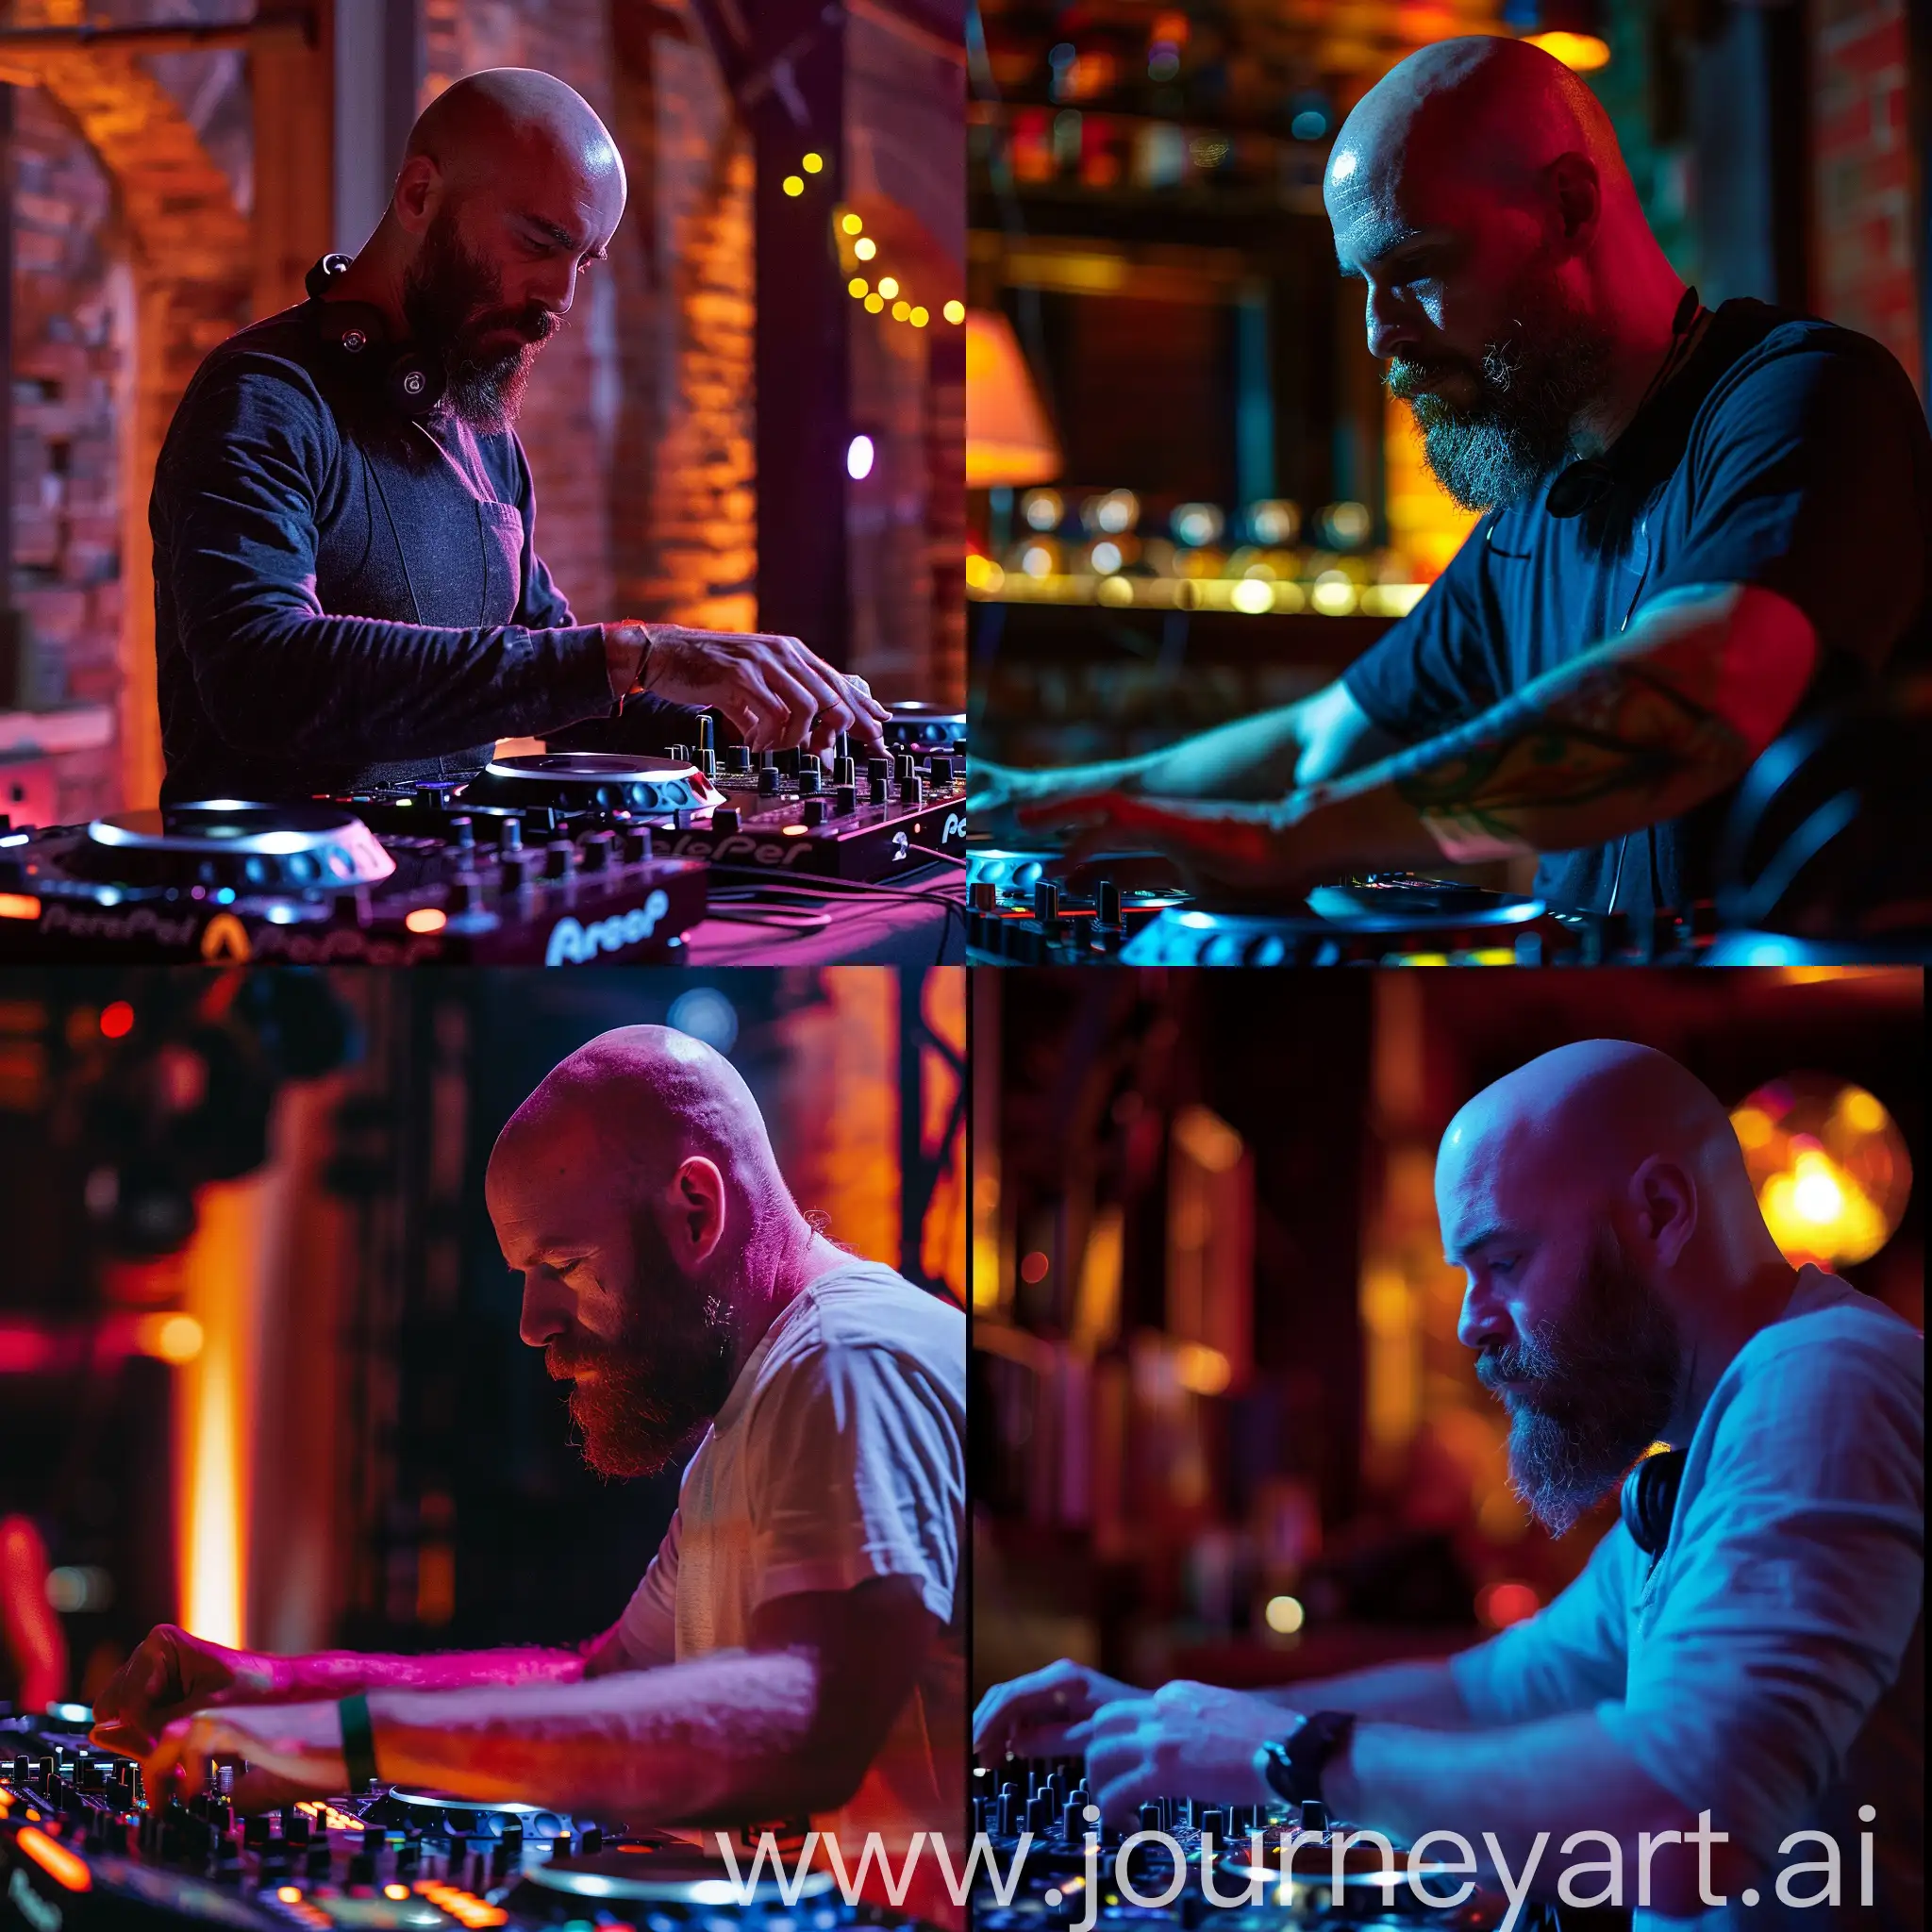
(1596, 1389)
(451, 300)
(1532, 385)
(660, 1382)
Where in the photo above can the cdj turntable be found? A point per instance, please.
(81, 1849)
(1264, 1871)
(1019, 912)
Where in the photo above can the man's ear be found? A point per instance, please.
(418, 191)
(699, 1209)
(1663, 1199)
(1579, 197)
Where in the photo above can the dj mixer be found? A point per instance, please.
(81, 1850)
(565, 859)
(1264, 1870)
(1019, 913)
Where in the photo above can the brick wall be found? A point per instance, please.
(1865, 225)
(71, 329)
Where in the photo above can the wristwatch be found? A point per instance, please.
(1294, 1767)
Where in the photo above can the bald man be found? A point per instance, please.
(796, 1645)
(1697, 526)
(347, 587)
(1762, 1662)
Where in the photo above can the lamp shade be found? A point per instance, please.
(1008, 439)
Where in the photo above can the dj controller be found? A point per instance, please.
(81, 1850)
(1019, 913)
(1247, 1868)
(565, 858)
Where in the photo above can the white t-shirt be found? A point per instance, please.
(839, 1455)
(1770, 1668)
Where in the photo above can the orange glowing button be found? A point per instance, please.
(395, 1892)
(288, 1894)
(55, 1860)
(19, 906)
(428, 919)
(795, 831)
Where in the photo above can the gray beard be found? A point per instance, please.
(1606, 1380)
(1518, 433)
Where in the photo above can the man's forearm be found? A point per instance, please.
(339, 1672)
(1422, 1693)
(723, 1739)
(1637, 731)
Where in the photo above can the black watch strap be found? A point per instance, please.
(1294, 1766)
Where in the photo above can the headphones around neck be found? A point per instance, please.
(1650, 1500)
(410, 382)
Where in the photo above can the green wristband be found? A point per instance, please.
(359, 1744)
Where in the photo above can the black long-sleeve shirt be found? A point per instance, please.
(344, 597)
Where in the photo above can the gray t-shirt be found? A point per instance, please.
(1770, 1668)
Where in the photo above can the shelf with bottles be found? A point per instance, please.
(1259, 560)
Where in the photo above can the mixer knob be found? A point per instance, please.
(469, 892)
(1039, 1813)
(768, 782)
(842, 750)
(1046, 902)
(845, 772)
(1212, 1821)
(560, 858)
(708, 734)
(509, 835)
(1009, 1809)
(738, 757)
(815, 811)
(982, 895)
(942, 770)
(845, 797)
(1110, 897)
(727, 818)
(518, 866)
(1314, 1816)
(707, 759)
(598, 848)
(879, 772)
(1072, 1821)
(464, 830)
(809, 775)
(1150, 1816)
(679, 753)
(361, 1868)
(636, 844)
(317, 1863)
(409, 1856)
(294, 1827)
(590, 1839)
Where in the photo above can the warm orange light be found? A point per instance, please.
(117, 1020)
(795, 831)
(1581, 52)
(19, 906)
(395, 1892)
(427, 919)
(288, 1894)
(1008, 439)
(55, 1860)
(175, 1338)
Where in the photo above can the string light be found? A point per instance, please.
(858, 287)
(889, 291)
(793, 185)
(888, 286)
(874, 303)
(955, 312)
(919, 318)
(865, 248)
(901, 309)
(813, 164)
(851, 223)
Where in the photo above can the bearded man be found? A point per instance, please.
(1698, 526)
(347, 588)
(795, 1648)
(1739, 1667)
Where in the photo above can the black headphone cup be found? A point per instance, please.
(1649, 1500)
(414, 384)
(411, 383)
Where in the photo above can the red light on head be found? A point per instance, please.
(117, 1020)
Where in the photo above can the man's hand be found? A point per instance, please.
(776, 693)
(1220, 847)
(170, 1674)
(1192, 1738)
(293, 1751)
(1030, 1716)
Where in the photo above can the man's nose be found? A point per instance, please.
(1392, 324)
(543, 1318)
(1483, 1319)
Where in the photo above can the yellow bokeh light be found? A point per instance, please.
(813, 164)
(793, 185)
(1580, 53)
(919, 318)
(1285, 1615)
(851, 223)
(888, 287)
(955, 312)
(901, 309)
(874, 303)
(1830, 1168)
(1202, 1369)
(858, 287)
(175, 1338)
(865, 248)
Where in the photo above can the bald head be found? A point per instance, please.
(637, 1193)
(1515, 289)
(1597, 1201)
(507, 119)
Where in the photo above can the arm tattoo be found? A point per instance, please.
(1628, 723)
